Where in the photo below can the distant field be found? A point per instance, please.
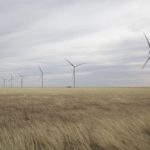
(75, 119)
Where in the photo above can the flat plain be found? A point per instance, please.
(75, 119)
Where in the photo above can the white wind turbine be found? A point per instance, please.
(74, 71)
(149, 50)
(41, 76)
(21, 79)
(4, 82)
(11, 80)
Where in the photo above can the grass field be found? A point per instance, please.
(75, 119)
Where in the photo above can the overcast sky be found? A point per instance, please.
(106, 35)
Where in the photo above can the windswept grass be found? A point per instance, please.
(75, 119)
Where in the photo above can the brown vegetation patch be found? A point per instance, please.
(75, 119)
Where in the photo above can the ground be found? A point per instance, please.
(75, 119)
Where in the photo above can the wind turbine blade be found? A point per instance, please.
(40, 69)
(147, 40)
(80, 64)
(70, 62)
(146, 62)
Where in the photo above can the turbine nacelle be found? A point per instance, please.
(73, 64)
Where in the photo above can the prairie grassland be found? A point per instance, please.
(75, 119)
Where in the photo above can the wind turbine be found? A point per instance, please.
(74, 71)
(11, 80)
(21, 79)
(149, 50)
(4, 81)
(42, 77)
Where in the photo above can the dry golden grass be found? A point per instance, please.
(75, 119)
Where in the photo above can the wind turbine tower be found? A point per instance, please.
(74, 71)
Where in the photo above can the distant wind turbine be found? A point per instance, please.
(149, 50)
(21, 79)
(41, 76)
(4, 82)
(74, 71)
(11, 80)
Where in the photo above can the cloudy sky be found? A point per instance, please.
(106, 35)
